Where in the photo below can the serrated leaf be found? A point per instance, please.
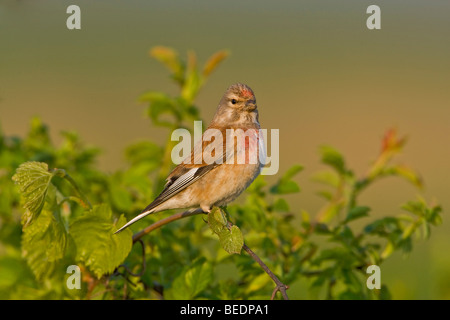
(232, 240)
(43, 244)
(96, 244)
(33, 179)
(216, 220)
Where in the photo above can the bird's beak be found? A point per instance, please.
(250, 105)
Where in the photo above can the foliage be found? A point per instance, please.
(62, 211)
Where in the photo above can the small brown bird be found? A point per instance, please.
(222, 165)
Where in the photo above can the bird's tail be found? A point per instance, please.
(138, 217)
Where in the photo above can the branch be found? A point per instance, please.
(165, 221)
(279, 285)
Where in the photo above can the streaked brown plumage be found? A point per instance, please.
(198, 184)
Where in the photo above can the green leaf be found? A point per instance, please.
(193, 81)
(406, 173)
(198, 277)
(231, 239)
(144, 152)
(171, 60)
(349, 295)
(214, 61)
(217, 221)
(333, 158)
(192, 280)
(43, 244)
(285, 185)
(281, 205)
(120, 196)
(356, 213)
(327, 177)
(387, 250)
(96, 244)
(257, 283)
(383, 226)
(422, 209)
(384, 293)
(341, 255)
(161, 104)
(292, 171)
(33, 179)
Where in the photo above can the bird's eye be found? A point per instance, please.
(233, 101)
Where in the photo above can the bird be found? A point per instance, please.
(217, 171)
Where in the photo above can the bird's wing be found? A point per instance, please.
(189, 171)
(194, 167)
(178, 181)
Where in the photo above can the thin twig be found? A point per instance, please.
(128, 270)
(165, 221)
(280, 285)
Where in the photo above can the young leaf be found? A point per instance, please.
(193, 81)
(217, 221)
(334, 159)
(286, 184)
(214, 61)
(97, 246)
(292, 171)
(406, 173)
(232, 240)
(43, 244)
(171, 60)
(328, 177)
(33, 179)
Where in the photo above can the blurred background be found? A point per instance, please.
(319, 75)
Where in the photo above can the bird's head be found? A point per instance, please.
(237, 107)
